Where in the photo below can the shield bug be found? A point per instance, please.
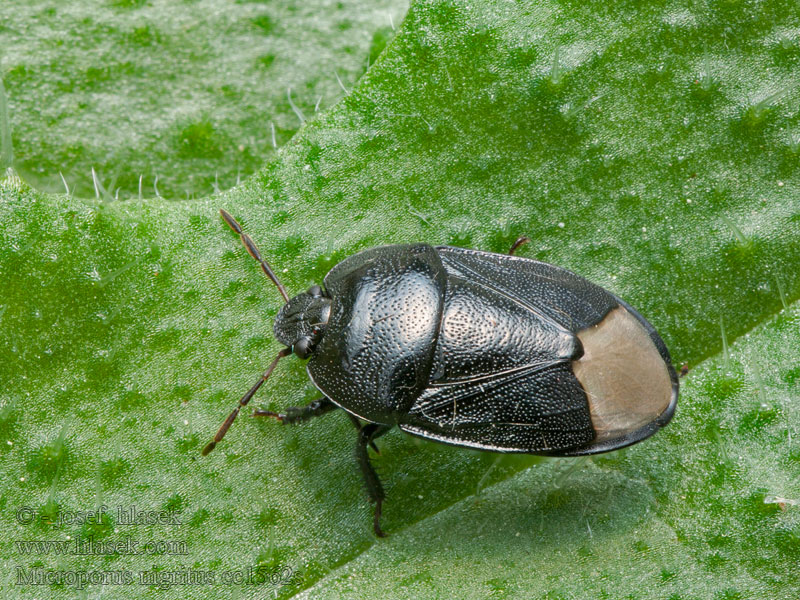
(476, 349)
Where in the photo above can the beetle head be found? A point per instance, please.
(302, 320)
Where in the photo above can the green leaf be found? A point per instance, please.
(651, 148)
(719, 520)
(196, 94)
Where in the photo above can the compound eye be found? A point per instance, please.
(302, 347)
(315, 291)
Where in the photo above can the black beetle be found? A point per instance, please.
(476, 349)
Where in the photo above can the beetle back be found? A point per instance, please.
(377, 352)
(534, 358)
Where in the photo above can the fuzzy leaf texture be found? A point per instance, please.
(652, 147)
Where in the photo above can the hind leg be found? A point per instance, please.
(366, 435)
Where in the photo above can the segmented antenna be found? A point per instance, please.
(252, 250)
(226, 424)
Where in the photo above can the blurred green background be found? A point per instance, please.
(194, 93)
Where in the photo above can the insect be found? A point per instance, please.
(476, 349)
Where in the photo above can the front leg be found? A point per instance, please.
(366, 435)
(298, 414)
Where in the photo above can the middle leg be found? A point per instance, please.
(366, 436)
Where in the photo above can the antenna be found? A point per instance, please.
(253, 251)
(226, 424)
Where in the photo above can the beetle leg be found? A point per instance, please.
(374, 488)
(298, 414)
(355, 420)
(523, 239)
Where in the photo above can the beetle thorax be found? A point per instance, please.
(301, 322)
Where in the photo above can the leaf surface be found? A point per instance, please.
(649, 147)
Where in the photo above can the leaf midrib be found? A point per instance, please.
(339, 565)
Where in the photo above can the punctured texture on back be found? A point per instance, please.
(502, 376)
(376, 355)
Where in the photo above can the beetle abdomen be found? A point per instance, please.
(377, 352)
